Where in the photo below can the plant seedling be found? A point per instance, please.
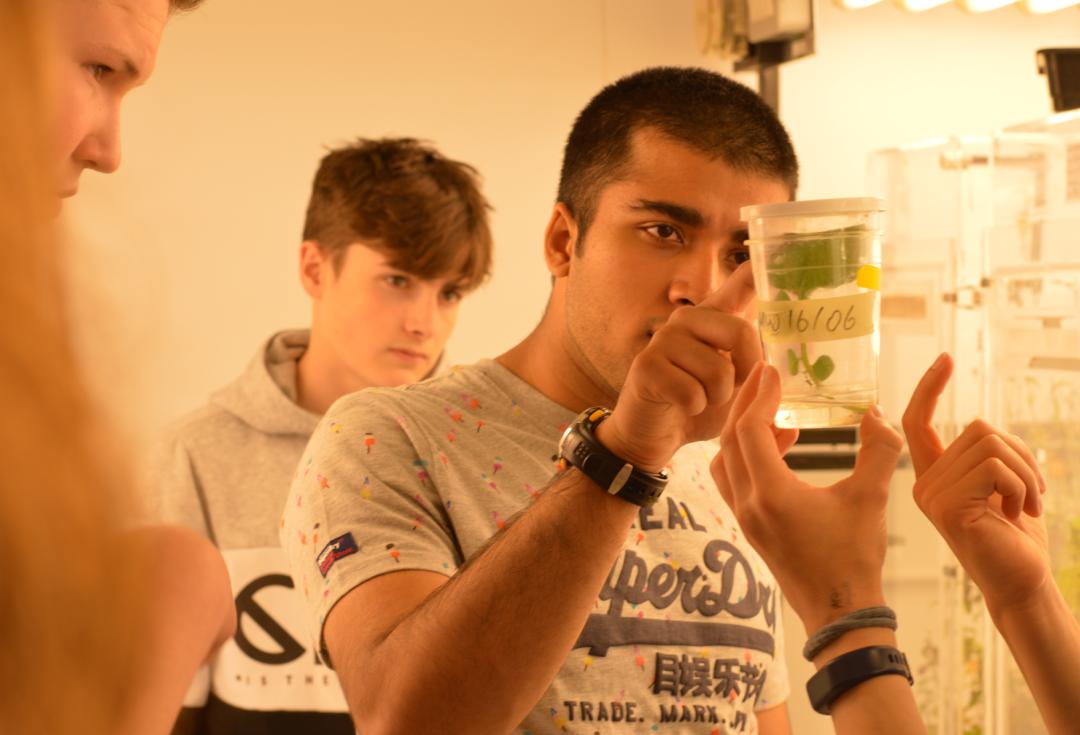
(805, 266)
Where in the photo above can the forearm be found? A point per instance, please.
(189, 615)
(882, 704)
(1044, 638)
(481, 650)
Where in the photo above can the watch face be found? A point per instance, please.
(564, 437)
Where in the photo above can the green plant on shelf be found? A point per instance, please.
(801, 268)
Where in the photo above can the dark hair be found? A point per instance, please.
(700, 108)
(401, 196)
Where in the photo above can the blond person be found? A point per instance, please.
(113, 622)
(983, 494)
(826, 545)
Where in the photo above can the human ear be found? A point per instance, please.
(560, 239)
(314, 266)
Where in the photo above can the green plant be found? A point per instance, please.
(804, 266)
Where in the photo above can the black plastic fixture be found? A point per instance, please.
(1062, 69)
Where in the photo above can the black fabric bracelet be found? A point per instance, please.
(851, 669)
(867, 617)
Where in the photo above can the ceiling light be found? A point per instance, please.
(1039, 7)
(984, 6)
(918, 6)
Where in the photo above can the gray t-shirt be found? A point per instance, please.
(686, 634)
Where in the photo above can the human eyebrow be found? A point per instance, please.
(740, 236)
(120, 62)
(683, 215)
(131, 69)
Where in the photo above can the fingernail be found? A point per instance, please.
(940, 361)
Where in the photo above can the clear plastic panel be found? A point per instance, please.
(937, 208)
(981, 257)
(1035, 347)
(1034, 287)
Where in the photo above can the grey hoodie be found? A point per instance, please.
(225, 468)
(225, 471)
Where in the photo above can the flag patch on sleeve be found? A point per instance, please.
(338, 548)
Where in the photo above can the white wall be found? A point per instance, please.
(189, 252)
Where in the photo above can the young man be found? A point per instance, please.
(395, 235)
(107, 48)
(100, 51)
(458, 581)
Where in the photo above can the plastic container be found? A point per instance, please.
(817, 270)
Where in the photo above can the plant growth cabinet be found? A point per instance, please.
(981, 258)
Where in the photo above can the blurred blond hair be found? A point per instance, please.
(69, 611)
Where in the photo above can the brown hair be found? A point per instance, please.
(403, 197)
(700, 108)
(67, 596)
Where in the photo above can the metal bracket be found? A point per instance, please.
(965, 297)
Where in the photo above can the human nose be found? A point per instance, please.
(696, 278)
(422, 313)
(100, 149)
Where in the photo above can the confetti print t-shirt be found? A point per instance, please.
(686, 634)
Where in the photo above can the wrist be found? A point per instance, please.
(608, 434)
(1045, 605)
(869, 670)
(841, 601)
(854, 640)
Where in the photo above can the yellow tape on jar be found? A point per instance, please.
(817, 320)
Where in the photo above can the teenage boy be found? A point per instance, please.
(395, 235)
(469, 572)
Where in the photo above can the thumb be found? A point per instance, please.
(735, 294)
(757, 441)
(880, 450)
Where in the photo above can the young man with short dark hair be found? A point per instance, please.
(469, 572)
(395, 235)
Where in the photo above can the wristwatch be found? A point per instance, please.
(854, 667)
(580, 448)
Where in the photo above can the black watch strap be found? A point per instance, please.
(580, 448)
(854, 667)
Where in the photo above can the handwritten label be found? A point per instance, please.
(817, 320)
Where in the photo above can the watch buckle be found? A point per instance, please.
(620, 479)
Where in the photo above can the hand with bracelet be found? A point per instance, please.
(826, 547)
(983, 494)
